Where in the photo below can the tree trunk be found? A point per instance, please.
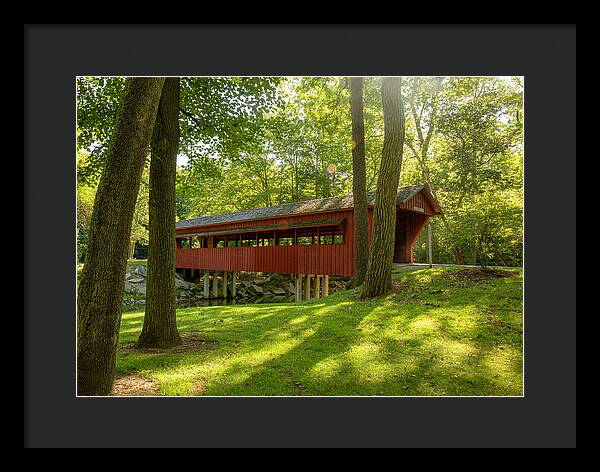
(379, 270)
(424, 143)
(160, 324)
(359, 182)
(131, 249)
(100, 293)
(459, 258)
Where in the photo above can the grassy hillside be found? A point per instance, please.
(442, 332)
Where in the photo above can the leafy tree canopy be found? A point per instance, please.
(260, 141)
(219, 116)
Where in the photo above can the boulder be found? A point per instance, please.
(257, 289)
(136, 279)
(129, 287)
(135, 288)
(140, 269)
(184, 285)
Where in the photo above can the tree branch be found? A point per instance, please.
(197, 121)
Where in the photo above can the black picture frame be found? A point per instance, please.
(54, 55)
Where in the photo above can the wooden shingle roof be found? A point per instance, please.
(296, 208)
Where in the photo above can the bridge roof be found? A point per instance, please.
(295, 208)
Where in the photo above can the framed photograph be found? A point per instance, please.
(259, 241)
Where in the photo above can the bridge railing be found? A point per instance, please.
(322, 259)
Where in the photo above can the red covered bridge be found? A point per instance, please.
(310, 237)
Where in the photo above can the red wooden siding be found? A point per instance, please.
(400, 252)
(414, 225)
(416, 203)
(330, 259)
(320, 259)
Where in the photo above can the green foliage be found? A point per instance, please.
(303, 152)
(477, 134)
(219, 115)
(98, 100)
(87, 183)
(222, 116)
(261, 141)
(490, 228)
(474, 158)
(85, 202)
(140, 224)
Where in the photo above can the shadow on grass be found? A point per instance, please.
(435, 337)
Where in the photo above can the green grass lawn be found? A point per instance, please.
(137, 262)
(439, 334)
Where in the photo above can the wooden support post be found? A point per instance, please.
(225, 284)
(429, 257)
(298, 287)
(325, 285)
(307, 287)
(317, 286)
(206, 284)
(233, 282)
(215, 286)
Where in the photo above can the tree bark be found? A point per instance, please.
(160, 324)
(100, 293)
(459, 258)
(379, 270)
(359, 182)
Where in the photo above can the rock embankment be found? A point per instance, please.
(250, 288)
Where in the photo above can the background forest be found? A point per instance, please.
(249, 142)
